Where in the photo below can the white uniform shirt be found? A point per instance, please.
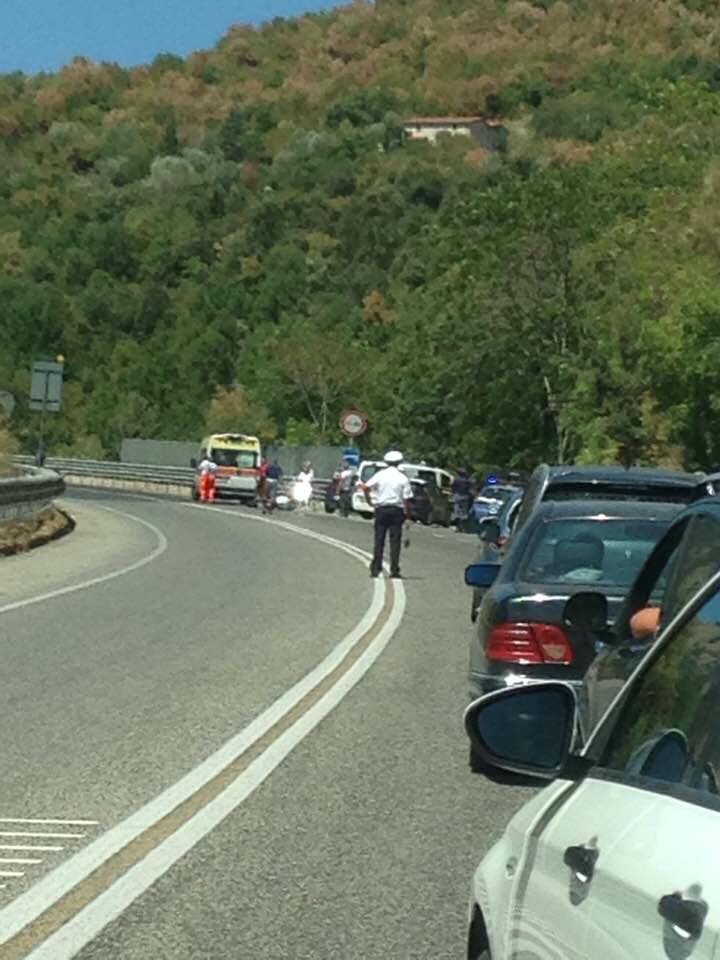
(390, 486)
(346, 478)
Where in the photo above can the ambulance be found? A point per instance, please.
(237, 457)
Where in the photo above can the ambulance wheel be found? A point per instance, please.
(195, 493)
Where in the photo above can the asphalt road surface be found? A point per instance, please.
(226, 741)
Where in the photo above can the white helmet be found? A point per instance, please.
(393, 457)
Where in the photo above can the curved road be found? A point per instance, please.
(355, 838)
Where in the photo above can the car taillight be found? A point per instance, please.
(528, 643)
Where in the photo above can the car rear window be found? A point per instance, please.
(590, 550)
(245, 459)
(653, 493)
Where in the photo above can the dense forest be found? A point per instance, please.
(246, 238)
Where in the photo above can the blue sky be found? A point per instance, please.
(40, 35)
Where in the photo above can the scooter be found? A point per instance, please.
(277, 496)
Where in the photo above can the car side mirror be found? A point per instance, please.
(193, 463)
(587, 610)
(527, 729)
(481, 574)
(489, 530)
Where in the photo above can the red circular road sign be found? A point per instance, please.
(353, 423)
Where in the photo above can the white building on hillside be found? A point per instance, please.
(487, 133)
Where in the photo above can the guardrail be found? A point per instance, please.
(174, 480)
(29, 494)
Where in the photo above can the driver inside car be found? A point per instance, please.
(645, 623)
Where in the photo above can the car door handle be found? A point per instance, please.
(581, 861)
(686, 917)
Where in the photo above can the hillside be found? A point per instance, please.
(252, 224)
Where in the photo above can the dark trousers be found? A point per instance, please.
(387, 519)
(345, 502)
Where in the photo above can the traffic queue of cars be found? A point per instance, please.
(598, 638)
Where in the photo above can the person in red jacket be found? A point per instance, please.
(207, 483)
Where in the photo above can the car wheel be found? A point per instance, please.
(329, 508)
(473, 612)
(195, 493)
(427, 520)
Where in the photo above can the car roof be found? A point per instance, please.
(586, 508)
(612, 473)
(708, 504)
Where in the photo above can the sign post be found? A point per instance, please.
(353, 424)
(46, 395)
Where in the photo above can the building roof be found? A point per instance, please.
(444, 120)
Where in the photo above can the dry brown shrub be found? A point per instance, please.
(478, 158)
(17, 536)
(571, 151)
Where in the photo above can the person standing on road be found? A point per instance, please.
(303, 486)
(346, 484)
(273, 476)
(461, 490)
(262, 476)
(207, 470)
(393, 494)
(275, 471)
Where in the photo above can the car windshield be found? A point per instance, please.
(224, 457)
(493, 492)
(590, 550)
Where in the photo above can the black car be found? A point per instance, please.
(488, 503)
(565, 548)
(429, 504)
(606, 483)
(686, 556)
(494, 534)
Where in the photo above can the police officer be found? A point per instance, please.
(392, 496)
(345, 485)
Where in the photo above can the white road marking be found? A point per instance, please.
(24, 846)
(19, 860)
(27, 834)
(11, 873)
(51, 823)
(161, 547)
(79, 930)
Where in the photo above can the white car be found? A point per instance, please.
(415, 471)
(619, 859)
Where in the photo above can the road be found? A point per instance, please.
(164, 631)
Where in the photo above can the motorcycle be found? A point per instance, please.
(277, 496)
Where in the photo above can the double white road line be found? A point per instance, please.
(68, 907)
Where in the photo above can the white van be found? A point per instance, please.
(414, 471)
